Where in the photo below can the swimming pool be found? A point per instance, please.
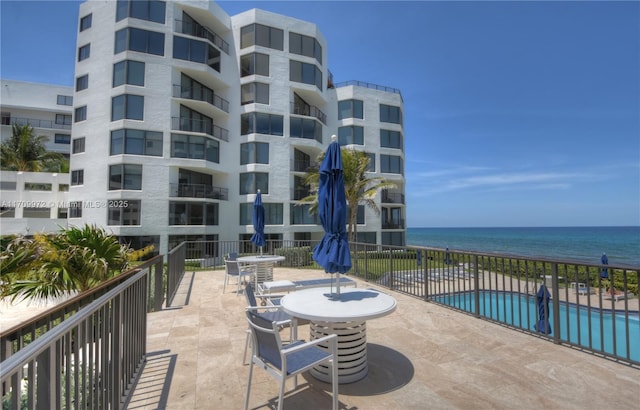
(578, 324)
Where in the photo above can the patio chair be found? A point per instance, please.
(237, 270)
(270, 311)
(284, 362)
(232, 256)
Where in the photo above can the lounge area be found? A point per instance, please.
(420, 356)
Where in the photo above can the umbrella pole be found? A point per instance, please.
(338, 283)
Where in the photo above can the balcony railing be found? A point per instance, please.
(197, 30)
(392, 198)
(301, 166)
(299, 193)
(309, 111)
(201, 94)
(369, 85)
(78, 352)
(394, 224)
(206, 127)
(64, 357)
(35, 123)
(198, 191)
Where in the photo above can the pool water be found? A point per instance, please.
(578, 325)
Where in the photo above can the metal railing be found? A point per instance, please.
(392, 198)
(201, 94)
(66, 357)
(198, 30)
(369, 85)
(203, 126)
(87, 351)
(309, 111)
(35, 123)
(198, 191)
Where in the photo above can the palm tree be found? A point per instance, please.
(24, 151)
(360, 188)
(74, 260)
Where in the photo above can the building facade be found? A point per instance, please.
(182, 112)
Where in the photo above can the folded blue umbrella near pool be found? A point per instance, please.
(542, 302)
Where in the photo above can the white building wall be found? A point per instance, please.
(160, 107)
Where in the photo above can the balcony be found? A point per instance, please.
(301, 166)
(197, 30)
(198, 191)
(393, 224)
(205, 127)
(35, 123)
(392, 198)
(201, 94)
(309, 111)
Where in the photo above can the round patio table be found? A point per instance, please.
(344, 315)
(264, 266)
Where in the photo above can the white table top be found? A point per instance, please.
(353, 304)
(261, 258)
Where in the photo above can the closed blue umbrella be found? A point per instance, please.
(258, 222)
(542, 302)
(332, 253)
(604, 273)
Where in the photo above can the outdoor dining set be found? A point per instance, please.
(336, 352)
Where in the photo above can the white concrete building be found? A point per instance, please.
(35, 201)
(181, 113)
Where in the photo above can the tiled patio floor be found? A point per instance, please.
(422, 356)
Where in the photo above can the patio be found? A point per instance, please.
(421, 356)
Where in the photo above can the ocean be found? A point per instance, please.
(586, 244)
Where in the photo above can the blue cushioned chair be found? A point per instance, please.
(237, 270)
(283, 362)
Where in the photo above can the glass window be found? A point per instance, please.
(84, 52)
(82, 82)
(391, 164)
(63, 119)
(77, 177)
(351, 135)
(254, 64)
(254, 153)
(305, 45)
(372, 162)
(85, 22)
(196, 51)
(64, 100)
(195, 147)
(136, 142)
(261, 123)
(254, 93)
(390, 139)
(128, 72)
(80, 114)
(390, 113)
(261, 35)
(62, 139)
(307, 128)
(125, 176)
(136, 39)
(301, 215)
(360, 216)
(78, 145)
(350, 109)
(127, 106)
(193, 213)
(124, 212)
(150, 10)
(305, 73)
(250, 182)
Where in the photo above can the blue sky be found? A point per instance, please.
(516, 113)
